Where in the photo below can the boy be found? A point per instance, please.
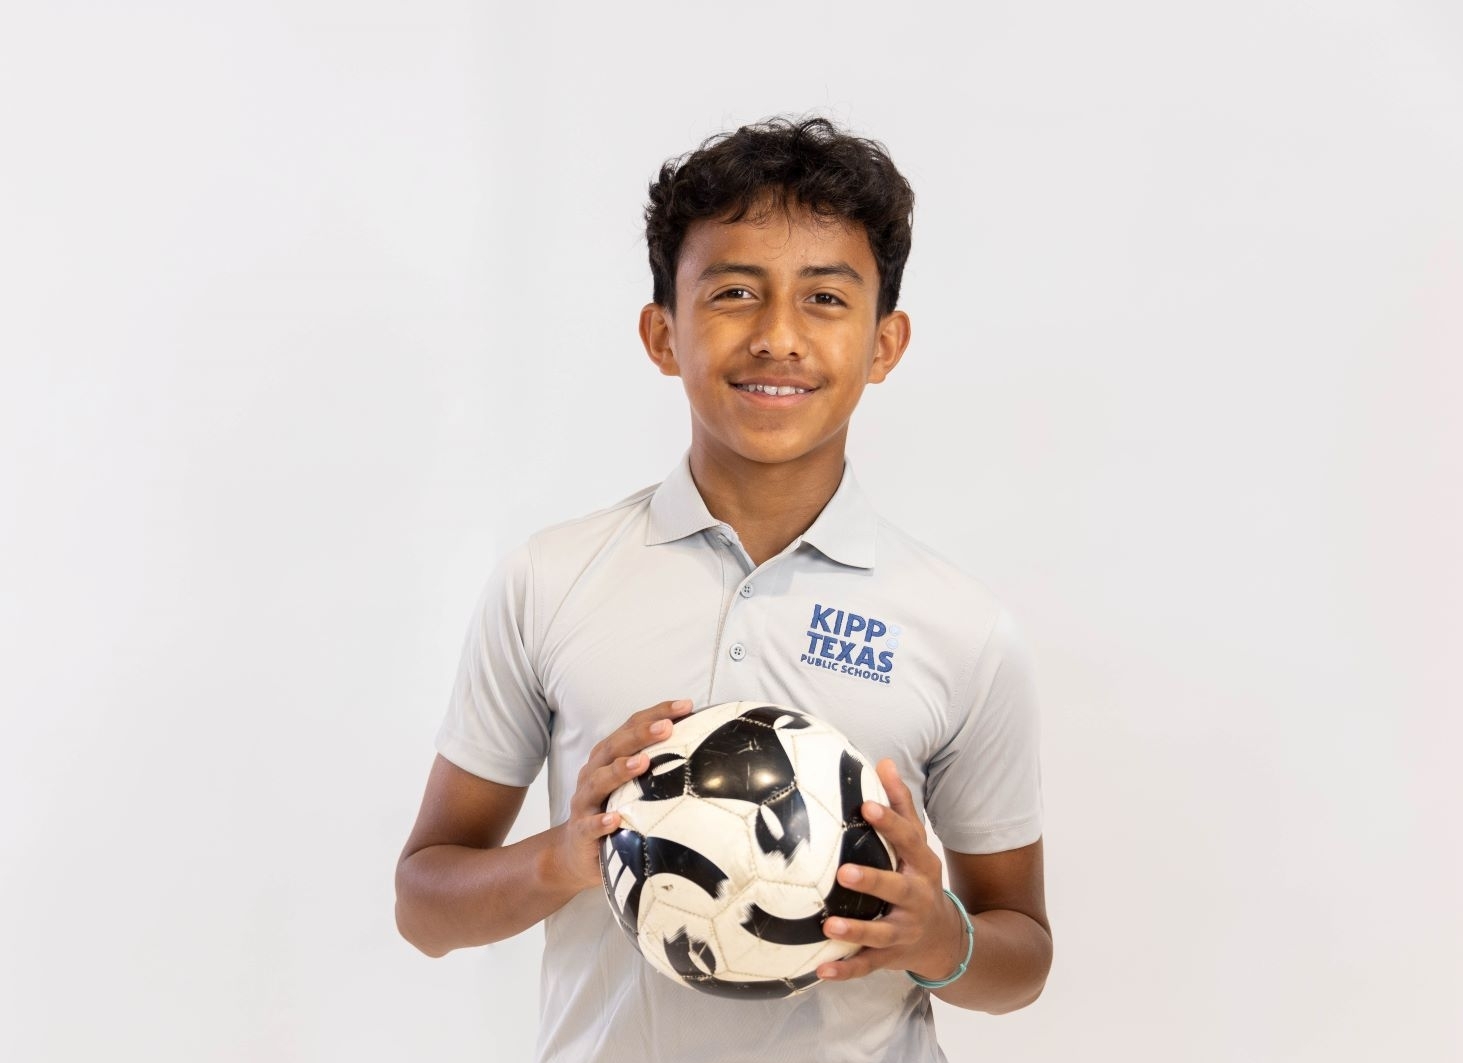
(776, 253)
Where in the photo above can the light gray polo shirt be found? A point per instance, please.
(855, 622)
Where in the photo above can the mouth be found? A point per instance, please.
(773, 389)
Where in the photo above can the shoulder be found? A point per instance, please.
(529, 580)
(953, 623)
(591, 530)
(552, 558)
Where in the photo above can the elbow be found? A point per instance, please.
(1006, 1007)
(1029, 992)
(409, 923)
(414, 936)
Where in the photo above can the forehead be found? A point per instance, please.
(776, 239)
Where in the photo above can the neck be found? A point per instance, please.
(769, 505)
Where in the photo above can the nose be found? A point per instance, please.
(777, 335)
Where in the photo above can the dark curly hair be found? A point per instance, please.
(786, 163)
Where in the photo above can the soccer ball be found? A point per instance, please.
(723, 868)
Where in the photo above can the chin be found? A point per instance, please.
(766, 452)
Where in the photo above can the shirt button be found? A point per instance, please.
(746, 590)
(737, 651)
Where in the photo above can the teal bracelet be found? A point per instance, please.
(969, 950)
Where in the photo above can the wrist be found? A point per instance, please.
(560, 879)
(954, 957)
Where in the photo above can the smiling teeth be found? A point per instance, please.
(772, 389)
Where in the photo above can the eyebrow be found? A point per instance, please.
(833, 269)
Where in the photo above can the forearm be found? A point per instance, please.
(453, 896)
(1009, 962)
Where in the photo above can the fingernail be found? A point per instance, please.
(660, 728)
(836, 926)
(681, 707)
(874, 813)
(852, 874)
(607, 820)
(827, 972)
(635, 763)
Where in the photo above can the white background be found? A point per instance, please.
(310, 310)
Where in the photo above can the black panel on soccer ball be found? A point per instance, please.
(776, 930)
(741, 761)
(690, 957)
(851, 787)
(642, 858)
(629, 847)
(790, 812)
(665, 779)
(860, 846)
(666, 857)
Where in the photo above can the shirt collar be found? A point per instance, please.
(845, 531)
(677, 509)
(848, 527)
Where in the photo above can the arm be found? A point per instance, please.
(458, 885)
(1004, 895)
(923, 933)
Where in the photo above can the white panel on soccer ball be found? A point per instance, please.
(669, 904)
(816, 756)
(830, 951)
(764, 962)
(715, 829)
(643, 817)
(814, 749)
(873, 788)
(748, 957)
(788, 900)
(815, 862)
(733, 940)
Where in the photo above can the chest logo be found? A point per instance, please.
(842, 641)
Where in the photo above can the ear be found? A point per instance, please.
(889, 344)
(655, 333)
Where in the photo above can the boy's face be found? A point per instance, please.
(780, 300)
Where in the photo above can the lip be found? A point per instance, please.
(775, 382)
(764, 401)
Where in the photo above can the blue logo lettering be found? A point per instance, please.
(842, 641)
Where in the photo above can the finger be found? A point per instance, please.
(900, 799)
(597, 824)
(616, 758)
(905, 835)
(866, 933)
(890, 886)
(855, 966)
(586, 834)
(673, 710)
(598, 784)
(642, 729)
(604, 781)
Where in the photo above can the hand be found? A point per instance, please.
(921, 932)
(614, 760)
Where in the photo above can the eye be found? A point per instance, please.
(733, 294)
(827, 299)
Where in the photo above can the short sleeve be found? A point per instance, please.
(983, 788)
(497, 723)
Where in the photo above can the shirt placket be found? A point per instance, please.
(735, 651)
